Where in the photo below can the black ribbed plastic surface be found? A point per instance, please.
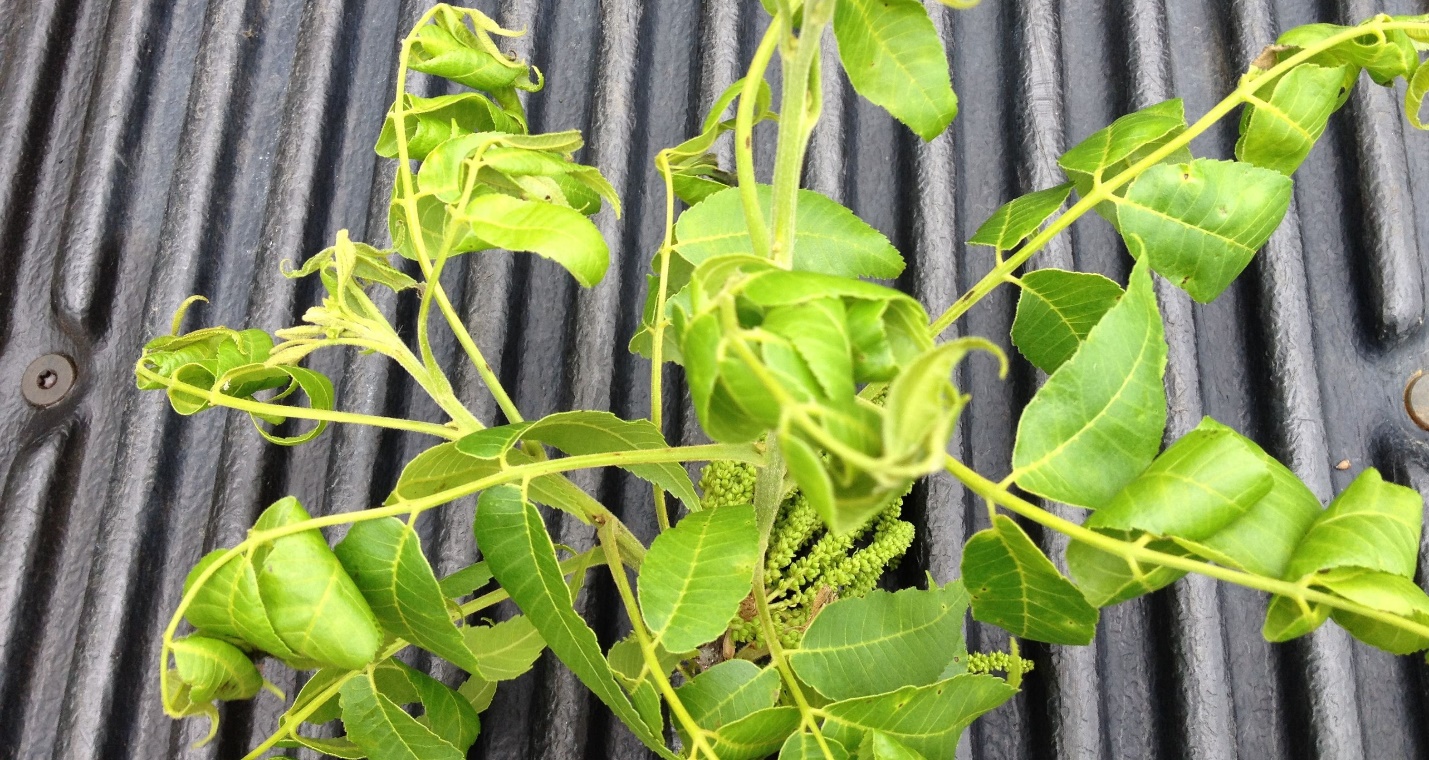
(150, 149)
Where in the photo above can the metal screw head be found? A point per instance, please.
(48, 380)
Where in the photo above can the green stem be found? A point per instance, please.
(768, 493)
(1132, 552)
(744, 138)
(797, 116)
(657, 330)
(250, 406)
(647, 648)
(1104, 190)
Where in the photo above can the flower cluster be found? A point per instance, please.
(806, 566)
(988, 662)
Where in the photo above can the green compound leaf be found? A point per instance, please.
(214, 669)
(727, 692)
(507, 649)
(228, 606)
(757, 735)
(1287, 619)
(384, 557)
(894, 58)
(926, 719)
(1263, 540)
(828, 238)
(1106, 579)
(1116, 147)
(1380, 591)
(558, 233)
(519, 551)
(803, 746)
(1213, 494)
(447, 713)
(318, 683)
(1199, 224)
(1056, 312)
(1372, 524)
(858, 647)
(465, 581)
(384, 730)
(1414, 96)
(1097, 422)
(696, 574)
(1279, 129)
(1015, 220)
(592, 432)
(1015, 587)
(340, 748)
(1200, 485)
(443, 467)
(587, 432)
(313, 604)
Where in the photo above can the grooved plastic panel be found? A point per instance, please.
(150, 149)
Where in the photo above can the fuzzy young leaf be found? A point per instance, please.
(1015, 220)
(384, 730)
(828, 238)
(927, 719)
(1056, 311)
(1384, 56)
(1015, 587)
(696, 574)
(727, 692)
(1199, 224)
(384, 557)
(1279, 131)
(507, 649)
(450, 49)
(756, 735)
(1414, 95)
(214, 669)
(893, 56)
(313, 604)
(858, 647)
(432, 121)
(558, 233)
(518, 549)
(1097, 422)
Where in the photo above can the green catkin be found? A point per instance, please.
(725, 483)
(805, 565)
(987, 662)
